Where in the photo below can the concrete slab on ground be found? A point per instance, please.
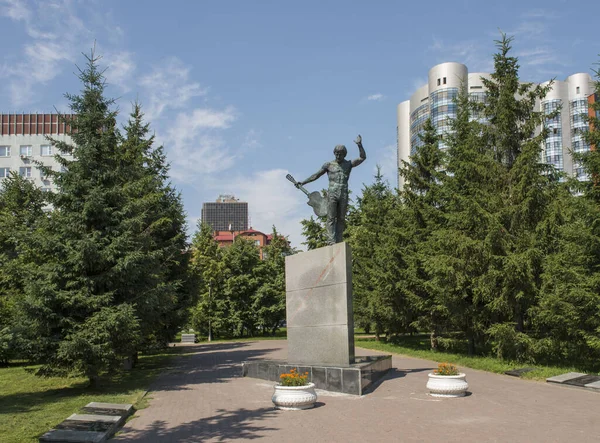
(564, 377)
(62, 436)
(91, 427)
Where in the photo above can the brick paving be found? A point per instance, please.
(204, 398)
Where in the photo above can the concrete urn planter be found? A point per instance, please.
(447, 385)
(294, 398)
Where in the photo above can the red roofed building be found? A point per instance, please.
(260, 239)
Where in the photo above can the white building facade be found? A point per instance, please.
(23, 141)
(435, 100)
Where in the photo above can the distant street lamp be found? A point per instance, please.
(209, 310)
(232, 233)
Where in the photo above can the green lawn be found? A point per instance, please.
(417, 346)
(30, 405)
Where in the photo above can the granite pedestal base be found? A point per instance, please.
(318, 286)
(357, 378)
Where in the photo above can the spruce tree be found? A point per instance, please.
(462, 249)
(566, 319)
(528, 187)
(374, 300)
(422, 212)
(154, 215)
(210, 313)
(269, 301)
(313, 230)
(104, 286)
(241, 282)
(590, 160)
(21, 215)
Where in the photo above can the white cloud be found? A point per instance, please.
(538, 56)
(14, 9)
(469, 52)
(540, 13)
(169, 86)
(195, 142)
(251, 140)
(273, 200)
(376, 97)
(387, 159)
(120, 69)
(54, 33)
(528, 29)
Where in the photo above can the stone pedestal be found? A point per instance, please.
(320, 329)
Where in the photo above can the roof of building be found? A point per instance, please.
(223, 237)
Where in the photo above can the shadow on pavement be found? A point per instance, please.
(204, 347)
(399, 373)
(210, 364)
(224, 426)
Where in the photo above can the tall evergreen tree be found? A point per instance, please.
(422, 212)
(373, 298)
(154, 215)
(590, 160)
(106, 263)
(528, 187)
(210, 314)
(462, 249)
(566, 319)
(21, 215)
(241, 282)
(269, 301)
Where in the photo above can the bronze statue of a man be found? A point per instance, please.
(338, 172)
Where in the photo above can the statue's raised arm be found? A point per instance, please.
(362, 154)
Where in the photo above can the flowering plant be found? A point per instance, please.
(446, 369)
(293, 378)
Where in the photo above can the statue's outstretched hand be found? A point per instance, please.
(358, 140)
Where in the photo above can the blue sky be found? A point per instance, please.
(242, 92)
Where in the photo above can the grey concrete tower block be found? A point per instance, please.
(320, 328)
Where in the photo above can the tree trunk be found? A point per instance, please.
(471, 345)
(94, 381)
(433, 338)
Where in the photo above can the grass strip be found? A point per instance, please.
(31, 405)
(489, 364)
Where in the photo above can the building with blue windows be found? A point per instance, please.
(435, 100)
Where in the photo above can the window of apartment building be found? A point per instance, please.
(46, 150)
(27, 151)
(4, 172)
(444, 80)
(25, 171)
(577, 90)
(4, 151)
(439, 82)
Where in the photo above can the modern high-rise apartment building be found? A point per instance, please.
(23, 141)
(435, 100)
(226, 214)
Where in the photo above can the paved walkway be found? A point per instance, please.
(205, 399)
